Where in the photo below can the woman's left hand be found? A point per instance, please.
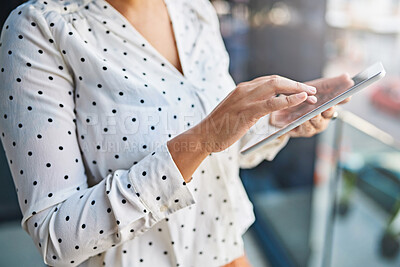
(320, 122)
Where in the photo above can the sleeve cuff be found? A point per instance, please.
(159, 183)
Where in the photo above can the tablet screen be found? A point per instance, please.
(326, 98)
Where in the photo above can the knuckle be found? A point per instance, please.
(310, 131)
(315, 121)
(289, 101)
(273, 83)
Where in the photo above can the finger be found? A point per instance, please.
(323, 84)
(312, 99)
(306, 130)
(278, 85)
(327, 114)
(286, 86)
(318, 122)
(345, 101)
(295, 132)
(278, 103)
(343, 81)
(316, 82)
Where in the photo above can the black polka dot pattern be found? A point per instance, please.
(98, 104)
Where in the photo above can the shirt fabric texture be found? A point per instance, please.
(87, 106)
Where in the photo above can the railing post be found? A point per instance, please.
(334, 181)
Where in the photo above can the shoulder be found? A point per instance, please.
(37, 11)
(28, 14)
(38, 17)
(60, 6)
(18, 17)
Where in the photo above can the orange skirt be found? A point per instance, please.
(239, 262)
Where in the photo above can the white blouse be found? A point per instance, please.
(87, 106)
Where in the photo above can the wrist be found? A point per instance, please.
(190, 141)
(188, 150)
(203, 137)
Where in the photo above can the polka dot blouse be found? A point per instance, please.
(87, 106)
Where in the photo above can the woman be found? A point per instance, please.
(112, 114)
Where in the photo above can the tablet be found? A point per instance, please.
(326, 99)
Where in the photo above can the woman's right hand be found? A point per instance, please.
(245, 105)
(234, 116)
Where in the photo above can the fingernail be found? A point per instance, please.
(312, 99)
(301, 95)
(312, 89)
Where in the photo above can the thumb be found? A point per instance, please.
(343, 81)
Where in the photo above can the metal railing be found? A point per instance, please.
(362, 181)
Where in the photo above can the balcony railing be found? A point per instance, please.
(350, 216)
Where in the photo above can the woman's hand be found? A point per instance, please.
(245, 105)
(320, 122)
(233, 117)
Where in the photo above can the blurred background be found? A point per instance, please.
(330, 200)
